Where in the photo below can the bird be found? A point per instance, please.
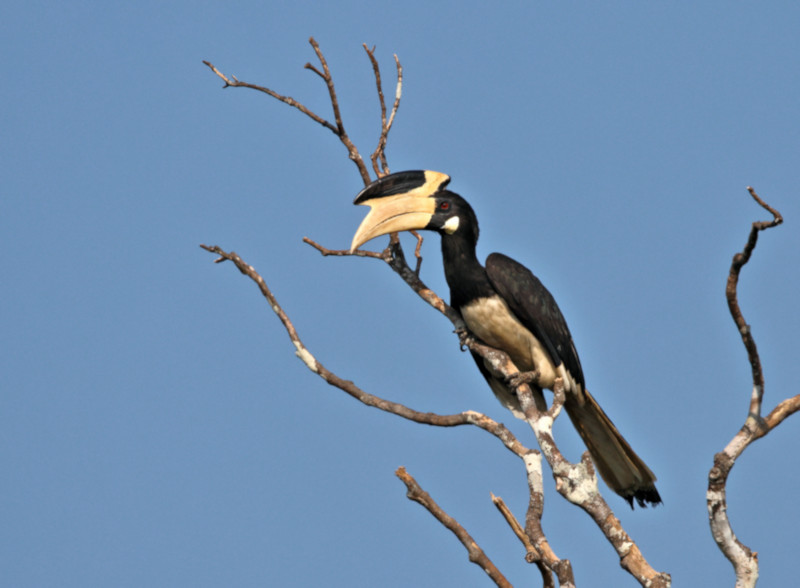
(505, 305)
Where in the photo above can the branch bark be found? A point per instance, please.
(743, 559)
(576, 482)
(337, 128)
(476, 554)
(530, 457)
(379, 164)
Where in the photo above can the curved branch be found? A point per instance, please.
(743, 559)
(530, 457)
(569, 477)
(576, 482)
(739, 260)
(337, 129)
(428, 418)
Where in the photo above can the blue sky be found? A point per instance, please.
(156, 428)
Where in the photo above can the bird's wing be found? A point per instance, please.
(536, 309)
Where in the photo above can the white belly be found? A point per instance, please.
(492, 321)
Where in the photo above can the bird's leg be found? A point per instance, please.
(514, 381)
(465, 338)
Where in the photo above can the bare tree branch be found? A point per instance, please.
(532, 556)
(302, 352)
(785, 409)
(544, 559)
(533, 523)
(576, 482)
(337, 129)
(743, 559)
(739, 260)
(232, 82)
(465, 418)
(386, 124)
(342, 134)
(476, 554)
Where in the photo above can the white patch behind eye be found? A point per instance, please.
(451, 225)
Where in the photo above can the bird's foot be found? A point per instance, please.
(514, 381)
(465, 338)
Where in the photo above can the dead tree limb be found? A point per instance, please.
(312, 363)
(338, 128)
(576, 482)
(529, 456)
(476, 554)
(539, 554)
(743, 559)
(379, 164)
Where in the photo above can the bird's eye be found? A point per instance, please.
(444, 206)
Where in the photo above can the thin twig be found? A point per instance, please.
(326, 75)
(398, 92)
(532, 555)
(476, 554)
(234, 83)
(518, 530)
(343, 137)
(337, 129)
(341, 252)
(386, 124)
(382, 103)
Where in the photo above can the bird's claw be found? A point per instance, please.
(516, 380)
(465, 338)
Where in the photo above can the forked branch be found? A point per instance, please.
(337, 128)
(379, 155)
(576, 482)
(743, 559)
(529, 456)
(476, 554)
(568, 476)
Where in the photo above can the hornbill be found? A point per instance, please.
(508, 308)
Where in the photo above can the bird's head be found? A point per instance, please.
(413, 200)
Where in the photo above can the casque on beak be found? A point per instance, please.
(398, 202)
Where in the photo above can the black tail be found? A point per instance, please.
(623, 471)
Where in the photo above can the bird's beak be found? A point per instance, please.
(393, 214)
(398, 202)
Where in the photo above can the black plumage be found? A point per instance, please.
(507, 307)
(536, 308)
